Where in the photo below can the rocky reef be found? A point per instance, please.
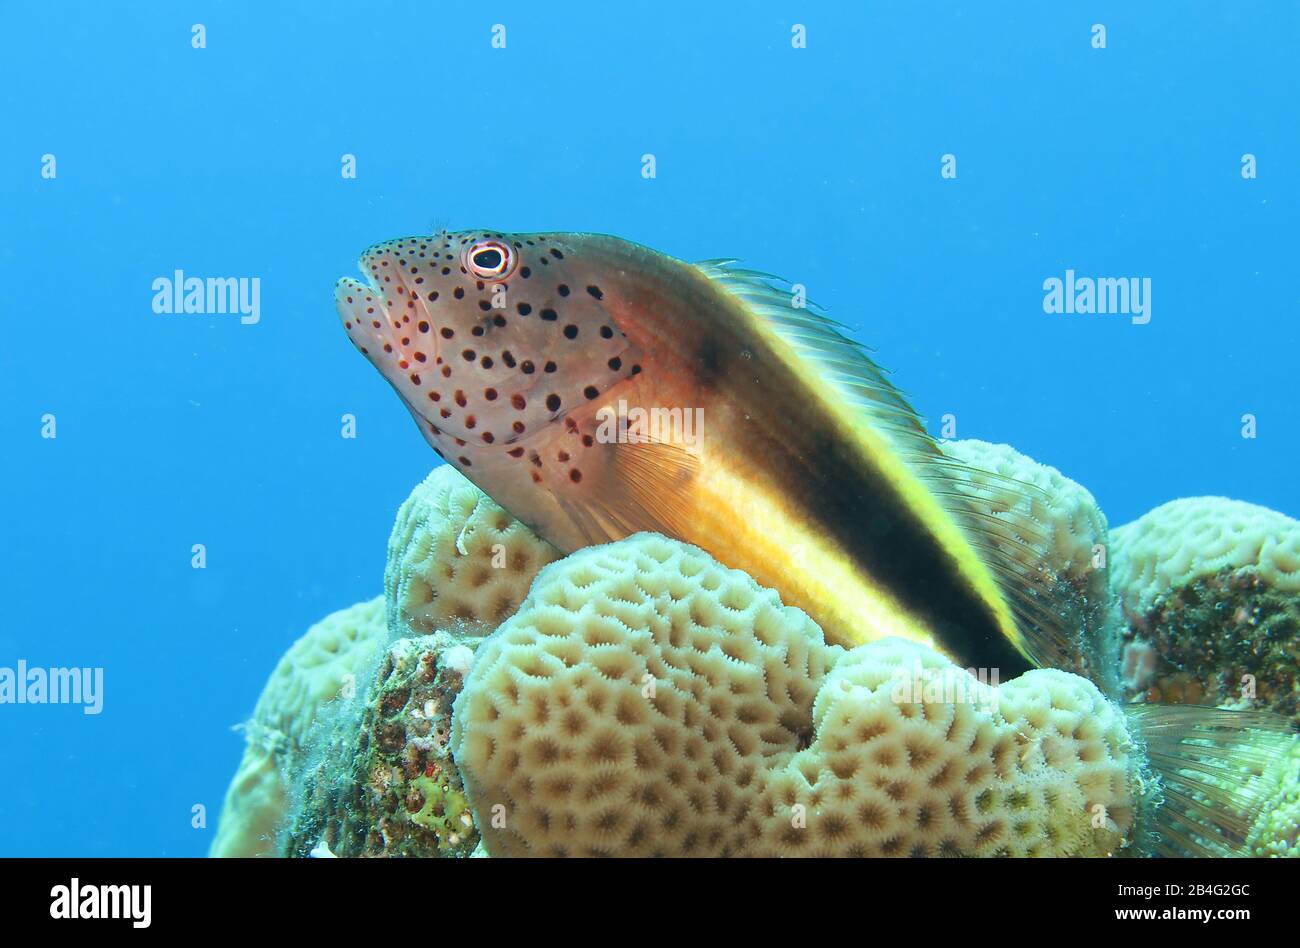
(640, 698)
(379, 780)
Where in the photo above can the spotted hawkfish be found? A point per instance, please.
(596, 388)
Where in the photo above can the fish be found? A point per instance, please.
(596, 388)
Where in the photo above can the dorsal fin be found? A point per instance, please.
(1047, 621)
(844, 363)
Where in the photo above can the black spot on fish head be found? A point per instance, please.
(487, 336)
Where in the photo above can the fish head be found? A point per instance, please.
(489, 336)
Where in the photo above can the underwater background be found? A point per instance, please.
(822, 164)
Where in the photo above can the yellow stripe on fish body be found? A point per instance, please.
(853, 609)
(916, 495)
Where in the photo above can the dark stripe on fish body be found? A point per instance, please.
(709, 361)
(859, 508)
(816, 468)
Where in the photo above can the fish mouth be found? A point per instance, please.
(361, 304)
(387, 315)
(351, 299)
(363, 314)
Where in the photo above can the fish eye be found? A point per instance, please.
(490, 259)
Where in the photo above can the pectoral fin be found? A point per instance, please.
(628, 488)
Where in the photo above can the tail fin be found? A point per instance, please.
(1209, 775)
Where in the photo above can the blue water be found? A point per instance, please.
(820, 164)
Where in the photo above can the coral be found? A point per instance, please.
(646, 700)
(378, 779)
(1208, 589)
(456, 558)
(1199, 537)
(1073, 525)
(910, 756)
(327, 659)
(253, 807)
(444, 811)
(1059, 529)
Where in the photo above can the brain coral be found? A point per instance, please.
(455, 557)
(646, 700)
(253, 807)
(1197, 537)
(329, 656)
(1208, 589)
(1072, 523)
(1059, 528)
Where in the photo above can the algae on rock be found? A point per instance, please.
(379, 779)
